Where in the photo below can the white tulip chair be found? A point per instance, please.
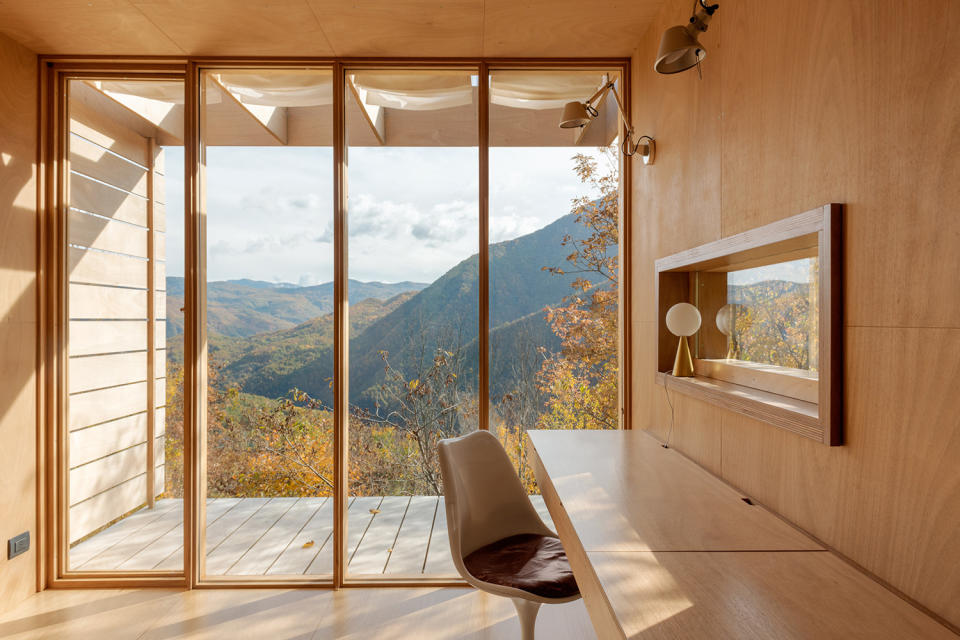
(498, 541)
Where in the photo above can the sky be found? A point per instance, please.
(413, 212)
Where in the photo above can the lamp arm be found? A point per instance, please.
(611, 86)
(629, 147)
(626, 120)
(606, 87)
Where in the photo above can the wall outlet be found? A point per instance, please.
(18, 544)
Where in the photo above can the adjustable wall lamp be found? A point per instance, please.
(579, 114)
(679, 47)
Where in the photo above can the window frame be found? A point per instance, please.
(776, 397)
(55, 73)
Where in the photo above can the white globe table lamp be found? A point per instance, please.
(683, 320)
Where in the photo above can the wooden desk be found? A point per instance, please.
(663, 549)
(624, 492)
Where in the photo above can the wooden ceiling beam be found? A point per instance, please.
(165, 117)
(273, 119)
(375, 115)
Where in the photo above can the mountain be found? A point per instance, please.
(764, 291)
(248, 307)
(271, 364)
(514, 352)
(445, 314)
(409, 326)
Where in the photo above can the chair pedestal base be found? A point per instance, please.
(527, 612)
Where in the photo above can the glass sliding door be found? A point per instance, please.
(124, 229)
(267, 139)
(411, 261)
(554, 270)
(413, 221)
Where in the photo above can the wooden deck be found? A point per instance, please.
(393, 535)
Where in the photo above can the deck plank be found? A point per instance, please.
(217, 530)
(358, 517)
(130, 525)
(265, 551)
(119, 553)
(263, 536)
(174, 561)
(166, 552)
(374, 549)
(410, 550)
(296, 558)
(227, 553)
(439, 562)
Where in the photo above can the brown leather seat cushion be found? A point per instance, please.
(534, 563)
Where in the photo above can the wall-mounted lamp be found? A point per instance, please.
(579, 114)
(683, 319)
(679, 47)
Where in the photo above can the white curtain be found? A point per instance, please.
(415, 91)
(542, 89)
(280, 89)
(411, 91)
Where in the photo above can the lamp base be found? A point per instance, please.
(683, 364)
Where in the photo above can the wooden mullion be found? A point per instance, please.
(624, 351)
(195, 373)
(341, 404)
(62, 310)
(484, 253)
(52, 340)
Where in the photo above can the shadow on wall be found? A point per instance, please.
(18, 291)
(18, 314)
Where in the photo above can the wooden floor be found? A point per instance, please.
(393, 535)
(283, 614)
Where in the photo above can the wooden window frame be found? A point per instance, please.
(55, 73)
(784, 397)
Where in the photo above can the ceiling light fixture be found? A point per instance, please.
(579, 114)
(679, 47)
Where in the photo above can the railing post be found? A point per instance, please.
(151, 325)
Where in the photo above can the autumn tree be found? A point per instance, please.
(580, 381)
(775, 321)
(412, 413)
(518, 410)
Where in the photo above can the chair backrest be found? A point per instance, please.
(485, 500)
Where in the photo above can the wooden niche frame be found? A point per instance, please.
(698, 276)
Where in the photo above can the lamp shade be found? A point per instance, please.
(679, 50)
(574, 115)
(683, 319)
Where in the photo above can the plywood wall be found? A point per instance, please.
(18, 317)
(801, 104)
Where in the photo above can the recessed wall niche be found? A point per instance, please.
(770, 344)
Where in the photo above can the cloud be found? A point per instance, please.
(412, 212)
(507, 226)
(440, 223)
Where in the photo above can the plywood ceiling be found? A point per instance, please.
(344, 28)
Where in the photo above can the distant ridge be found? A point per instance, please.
(270, 360)
(247, 307)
